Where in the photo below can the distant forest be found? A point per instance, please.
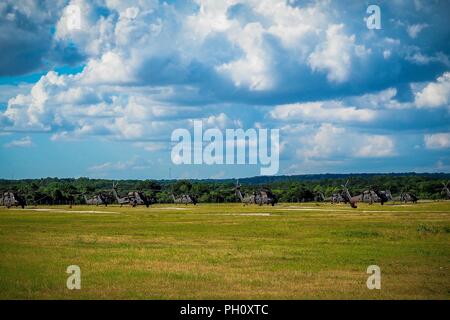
(296, 188)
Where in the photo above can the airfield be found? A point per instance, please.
(226, 251)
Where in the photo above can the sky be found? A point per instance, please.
(101, 96)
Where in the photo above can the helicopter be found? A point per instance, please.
(388, 195)
(12, 199)
(405, 197)
(319, 197)
(185, 199)
(336, 197)
(374, 194)
(348, 198)
(445, 188)
(263, 196)
(98, 199)
(134, 198)
(408, 197)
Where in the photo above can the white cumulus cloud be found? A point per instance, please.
(435, 94)
(334, 55)
(330, 141)
(437, 141)
(376, 146)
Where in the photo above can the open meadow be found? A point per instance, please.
(226, 251)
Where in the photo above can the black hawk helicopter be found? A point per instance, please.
(262, 196)
(336, 197)
(134, 198)
(348, 197)
(368, 196)
(445, 188)
(406, 196)
(185, 199)
(12, 199)
(374, 194)
(99, 199)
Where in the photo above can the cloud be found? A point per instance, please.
(435, 94)
(253, 70)
(328, 111)
(26, 39)
(326, 142)
(135, 163)
(152, 146)
(110, 68)
(419, 58)
(61, 104)
(376, 146)
(148, 68)
(8, 91)
(32, 111)
(335, 54)
(415, 29)
(332, 142)
(221, 121)
(222, 40)
(437, 141)
(24, 142)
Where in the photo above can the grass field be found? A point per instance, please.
(298, 251)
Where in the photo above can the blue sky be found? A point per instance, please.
(102, 100)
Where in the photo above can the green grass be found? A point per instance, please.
(298, 251)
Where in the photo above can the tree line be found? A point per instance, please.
(286, 188)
